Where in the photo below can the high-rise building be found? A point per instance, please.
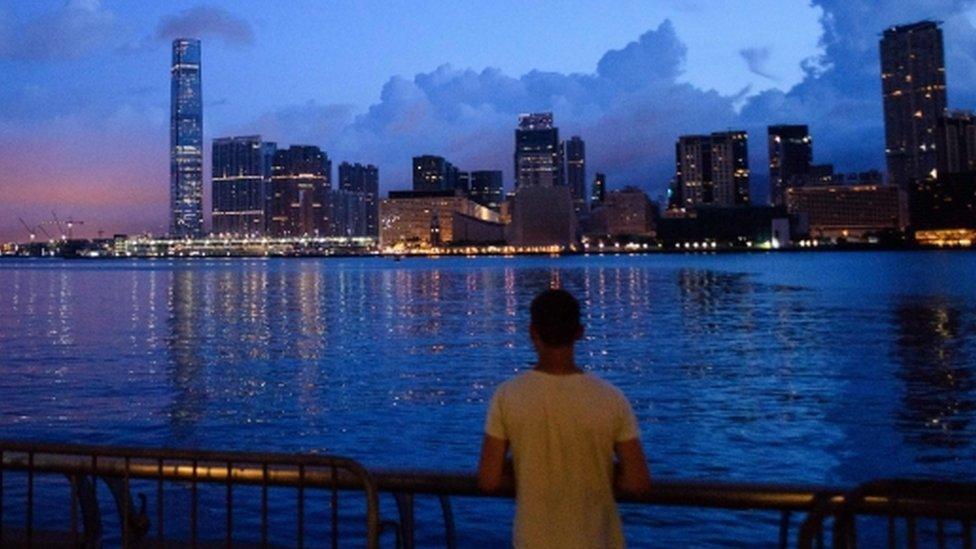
(711, 170)
(599, 188)
(955, 142)
(574, 152)
(241, 176)
(434, 173)
(486, 188)
(357, 178)
(538, 156)
(913, 84)
(186, 140)
(790, 158)
(300, 185)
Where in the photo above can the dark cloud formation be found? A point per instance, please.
(206, 22)
(756, 59)
(75, 30)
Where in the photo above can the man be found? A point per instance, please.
(563, 426)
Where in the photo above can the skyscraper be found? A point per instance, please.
(365, 180)
(186, 140)
(712, 170)
(913, 84)
(241, 177)
(434, 173)
(599, 188)
(300, 185)
(575, 155)
(486, 188)
(538, 156)
(790, 157)
(955, 138)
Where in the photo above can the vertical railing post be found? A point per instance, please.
(160, 532)
(30, 499)
(335, 509)
(301, 507)
(404, 503)
(784, 529)
(193, 506)
(229, 504)
(264, 504)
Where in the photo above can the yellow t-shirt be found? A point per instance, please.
(561, 430)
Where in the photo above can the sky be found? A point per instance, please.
(84, 86)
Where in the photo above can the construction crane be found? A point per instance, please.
(71, 222)
(58, 223)
(29, 230)
(43, 230)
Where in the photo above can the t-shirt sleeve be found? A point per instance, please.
(627, 428)
(494, 423)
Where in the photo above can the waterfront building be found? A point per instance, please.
(711, 170)
(948, 201)
(486, 188)
(599, 188)
(241, 179)
(300, 184)
(346, 213)
(790, 158)
(852, 212)
(186, 140)
(744, 227)
(542, 216)
(626, 212)
(425, 219)
(538, 156)
(364, 179)
(574, 152)
(913, 86)
(434, 173)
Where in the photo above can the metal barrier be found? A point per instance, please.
(84, 466)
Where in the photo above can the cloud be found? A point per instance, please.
(75, 30)
(206, 22)
(756, 59)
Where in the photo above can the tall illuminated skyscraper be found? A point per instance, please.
(790, 158)
(186, 141)
(538, 156)
(240, 185)
(574, 151)
(913, 84)
(711, 170)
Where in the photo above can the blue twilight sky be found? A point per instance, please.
(84, 85)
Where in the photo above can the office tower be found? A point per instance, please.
(486, 188)
(363, 179)
(574, 152)
(850, 211)
(712, 170)
(955, 143)
(186, 141)
(434, 173)
(463, 184)
(300, 185)
(599, 188)
(538, 156)
(790, 157)
(241, 175)
(913, 84)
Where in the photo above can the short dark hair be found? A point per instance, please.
(556, 317)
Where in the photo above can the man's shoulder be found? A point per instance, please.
(608, 389)
(515, 383)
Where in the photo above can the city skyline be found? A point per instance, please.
(636, 155)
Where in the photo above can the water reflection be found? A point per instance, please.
(934, 349)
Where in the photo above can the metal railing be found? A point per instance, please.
(227, 472)
(118, 468)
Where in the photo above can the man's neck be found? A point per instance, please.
(557, 361)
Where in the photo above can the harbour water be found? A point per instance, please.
(829, 368)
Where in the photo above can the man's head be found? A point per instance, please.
(555, 319)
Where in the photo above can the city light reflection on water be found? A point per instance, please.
(824, 368)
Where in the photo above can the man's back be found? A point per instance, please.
(562, 430)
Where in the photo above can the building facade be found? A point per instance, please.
(849, 211)
(599, 191)
(364, 179)
(538, 156)
(574, 152)
(300, 186)
(425, 219)
(240, 184)
(790, 159)
(434, 173)
(186, 140)
(542, 216)
(914, 92)
(486, 188)
(955, 148)
(629, 212)
(711, 170)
